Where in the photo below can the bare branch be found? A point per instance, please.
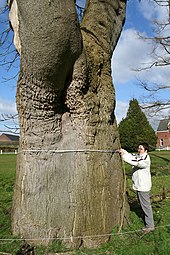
(11, 78)
(10, 130)
(12, 119)
(80, 10)
(13, 130)
(5, 117)
(154, 87)
(156, 108)
(3, 9)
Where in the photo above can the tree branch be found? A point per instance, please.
(13, 127)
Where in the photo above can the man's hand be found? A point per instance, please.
(121, 151)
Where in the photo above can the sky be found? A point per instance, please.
(131, 52)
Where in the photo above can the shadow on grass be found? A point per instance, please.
(136, 208)
(160, 157)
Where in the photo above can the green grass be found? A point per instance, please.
(133, 244)
(156, 243)
(7, 177)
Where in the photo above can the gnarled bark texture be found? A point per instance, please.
(66, 101)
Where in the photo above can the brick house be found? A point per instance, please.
(163, 134)
(9, 138)
(8, 142)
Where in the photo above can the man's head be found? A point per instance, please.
(142, 148)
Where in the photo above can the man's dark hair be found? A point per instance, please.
(145, 146)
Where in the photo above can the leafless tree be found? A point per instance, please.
(161, 58)
(9, 58)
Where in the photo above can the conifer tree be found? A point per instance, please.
(135, 128)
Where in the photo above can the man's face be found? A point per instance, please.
(141, 149)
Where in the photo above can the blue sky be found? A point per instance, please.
(129, 54)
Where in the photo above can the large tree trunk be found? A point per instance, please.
(65, 186)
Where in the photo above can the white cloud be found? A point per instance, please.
(121, 110)
(151, 7)
(132, 53)
(7, 107)
(156, 14)
(154, 11)
(129, 54)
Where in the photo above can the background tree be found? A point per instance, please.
(65, 98)
(135, 128)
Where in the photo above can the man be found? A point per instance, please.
(141, 180)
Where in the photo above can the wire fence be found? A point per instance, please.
(83, 237)
(45, 238)
(59, 151)
(9, 153)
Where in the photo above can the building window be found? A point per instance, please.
(161, 142)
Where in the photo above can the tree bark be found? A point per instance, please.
(67, 105)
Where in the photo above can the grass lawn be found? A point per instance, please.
(130, 243)
(7, 176)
